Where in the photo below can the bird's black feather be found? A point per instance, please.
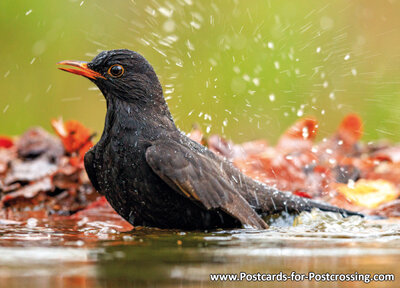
(90, 168)
(200, 179)
(154, 175)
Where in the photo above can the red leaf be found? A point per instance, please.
(6, 142)
(302, 194)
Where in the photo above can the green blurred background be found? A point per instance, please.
(243, 69)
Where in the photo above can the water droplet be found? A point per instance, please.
(195, 25)
(169, 26)
(6, 108)
(256, 81)
(271, 97)
(31, 222)
(165, 11)
(351, 184)
(326, 23)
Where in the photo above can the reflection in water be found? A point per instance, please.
(90, 253)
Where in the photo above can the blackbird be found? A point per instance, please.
(154, 175)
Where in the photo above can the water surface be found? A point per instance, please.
(90, 251)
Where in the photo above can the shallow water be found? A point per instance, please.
(93, 252)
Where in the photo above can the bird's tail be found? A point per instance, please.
(276, 201)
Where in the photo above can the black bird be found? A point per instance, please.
(154, 175)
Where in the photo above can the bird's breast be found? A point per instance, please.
(124, 175)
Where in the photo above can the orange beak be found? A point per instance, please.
(80, 68)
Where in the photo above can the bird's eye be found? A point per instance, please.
(116, 71)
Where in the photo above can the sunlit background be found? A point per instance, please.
(243, 69)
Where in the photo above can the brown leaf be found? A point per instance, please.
(28, 171)
(36, 142)
(390, 209)
(29, 191)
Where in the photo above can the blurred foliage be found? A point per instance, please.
(244, 69)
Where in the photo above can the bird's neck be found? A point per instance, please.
(148, 122)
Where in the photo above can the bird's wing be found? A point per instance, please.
(201, 179)
(89, 167)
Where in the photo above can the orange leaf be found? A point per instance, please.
(299, 136)
(303, 129)
(351, 129)
(75, 137)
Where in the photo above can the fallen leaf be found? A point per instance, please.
(369, 193)
(75, 137)
(299, 136)
(6, 142)
(390, 209)
(37, 142)
(350, 130)
(28, 191)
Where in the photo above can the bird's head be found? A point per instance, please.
(121, 74)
